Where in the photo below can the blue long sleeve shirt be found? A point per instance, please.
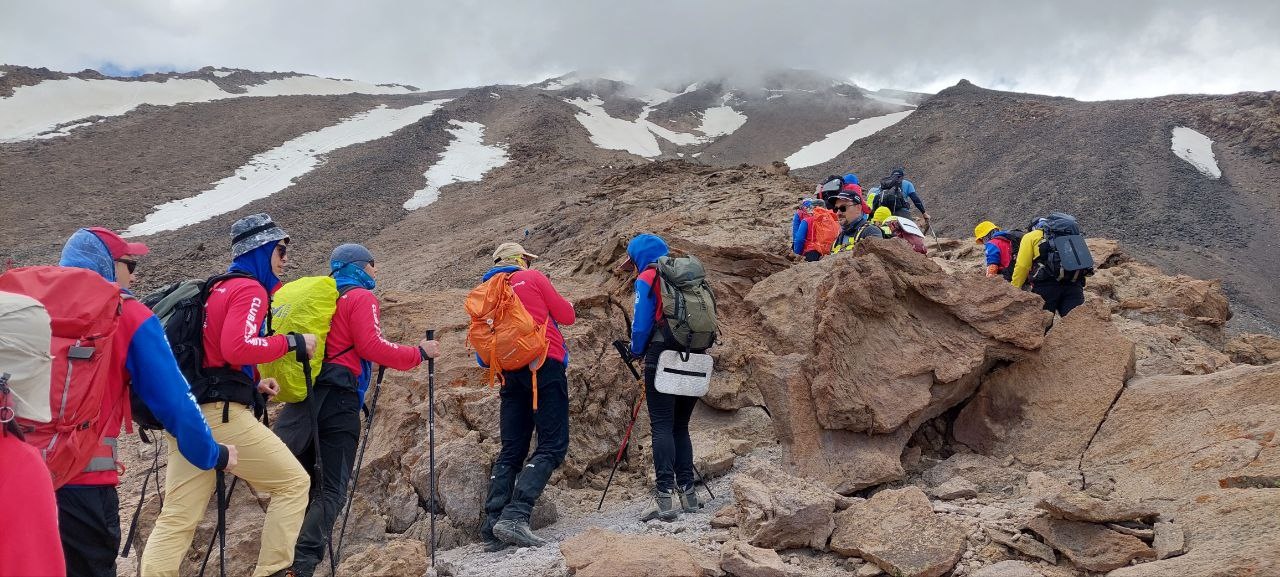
(155, 378)
(799, 231)
(909, 189)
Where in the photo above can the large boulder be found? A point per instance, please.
(861, 349)
(1171, 436)
(778, 511)
(899, 532)
(1231, 532)
(743, 560)
(1091, 547)
(596, 553)
(395, 559)
(1020, 409)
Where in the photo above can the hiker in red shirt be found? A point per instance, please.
(29, 547)
(514, 484)
(354, 344)
(233, 342)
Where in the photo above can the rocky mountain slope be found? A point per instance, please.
(981, 154)
(820, 443)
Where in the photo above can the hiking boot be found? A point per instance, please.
(689, 501)
(286, 572)
(663, 509)
(517, 532)
(494, 545)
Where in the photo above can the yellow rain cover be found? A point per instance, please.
(303, 306)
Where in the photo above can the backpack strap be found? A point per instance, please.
(342, 292)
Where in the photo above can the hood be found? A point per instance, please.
(257, 262)
(85, 250)
(500, 269)
(645, 249)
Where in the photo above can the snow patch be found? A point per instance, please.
(65, 130)
(837, 142)
(887, 99)
(1196, 149)
(639, 136)
(275, 169)
(466, 159)
(35, 110)
(222, 73)
(721, 121)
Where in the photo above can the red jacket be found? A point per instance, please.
(30, 545)
(357, 329)
(542, 301)
(233, 318)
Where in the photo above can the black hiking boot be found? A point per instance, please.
(517, 532)
(665, 508)
(689, 501)
(494, 545)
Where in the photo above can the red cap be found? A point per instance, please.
(117, 245)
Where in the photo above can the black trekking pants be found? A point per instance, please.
(89, 524)
(1060, 298)
(339, 419)
(514, 484)
(669, 424)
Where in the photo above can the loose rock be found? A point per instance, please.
(1169, 540)
(898, 531)
(595, 553)
(1091, 547)
(743, 560)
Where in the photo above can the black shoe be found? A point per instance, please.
(494, 545)
(517, 532)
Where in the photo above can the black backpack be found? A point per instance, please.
(180, 309)
(829, 188)
(1064, 256)
(891, 195)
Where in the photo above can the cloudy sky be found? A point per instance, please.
(1086, 49)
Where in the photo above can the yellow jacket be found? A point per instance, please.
(1028, 252)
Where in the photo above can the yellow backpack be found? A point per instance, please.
(303, 306)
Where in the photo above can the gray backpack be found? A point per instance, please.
(688, 306)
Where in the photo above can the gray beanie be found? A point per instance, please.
(254, 231)
(349, 253)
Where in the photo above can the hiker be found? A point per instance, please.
(906, 229)
(894, 192)
(1000, 247)
(531, 400)
(88, 504)
(814, 229)
(855, 224)
(353, 344)
(668, 414)
(29, 544)
(1055, 259)
(232, 344)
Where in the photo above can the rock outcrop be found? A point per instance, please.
(778, 511)
(595, 553)
(899, 532)
(1091, 547)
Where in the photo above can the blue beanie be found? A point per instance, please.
(850, 178)
(349, 253)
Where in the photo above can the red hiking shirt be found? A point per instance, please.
(542, 301)
(30, 545)
(233, 317)
(358, 322)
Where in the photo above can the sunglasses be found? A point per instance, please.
(841, 208)
(132, 265)
(283, 249)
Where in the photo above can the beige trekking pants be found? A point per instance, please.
(265, 463)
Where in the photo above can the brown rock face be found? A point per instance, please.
(395, 559)
(1073, 505)
(1254, 349)
(1233, 532)
(899, 532)
(778, 511)
(1020, 410)
(742, 560)
(1171, 436)
(1091, 547)
(845, 409)
(595, 553)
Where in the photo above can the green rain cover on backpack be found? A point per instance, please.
(303, 306)
(687, 302)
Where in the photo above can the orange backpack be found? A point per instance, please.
(502, 332)
(824, 229)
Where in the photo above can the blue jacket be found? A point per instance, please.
(153, 372)
(799, 232)
(909, 189)
(644, 250)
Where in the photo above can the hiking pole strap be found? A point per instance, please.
(142, 499)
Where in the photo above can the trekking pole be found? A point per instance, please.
(626, 437)
(220, 531)
(314, 408)
(431, 436)
(355, 478)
